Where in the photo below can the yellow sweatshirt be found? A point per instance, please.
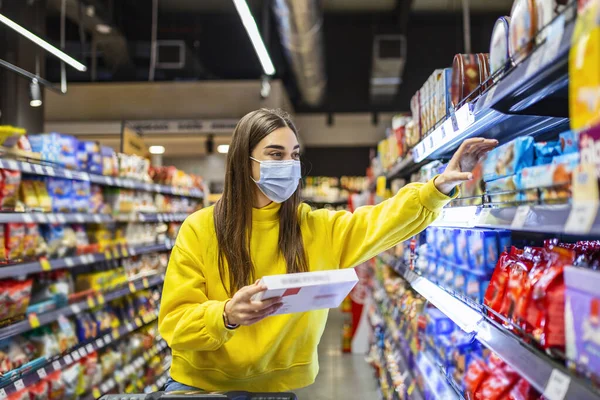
(278, 353)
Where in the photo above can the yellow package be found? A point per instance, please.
(43, 197)
(9, 135)
(584, 68)
(28, 195)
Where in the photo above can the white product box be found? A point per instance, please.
(308, 291)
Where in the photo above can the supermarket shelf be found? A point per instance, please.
(85, 218)
(581, 218)
(60, 363)
(26, 268)
(159, 382)
(516, 105)
(412, 391)
(540, 370)
(135, 365)
(33, 321)
(60, 172)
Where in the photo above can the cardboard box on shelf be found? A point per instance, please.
(308, 291)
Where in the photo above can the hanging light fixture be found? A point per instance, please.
(35, 93)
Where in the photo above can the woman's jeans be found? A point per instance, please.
(174, 386)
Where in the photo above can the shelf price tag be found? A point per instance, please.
(26, 167)
(483, 216)
(132, 288)
(2, 394)
(96, 393)
(411, 388)
(19, 385)
(124, 251)
(520, 217)
(581, 218)
(68, 359)
(56, 365)
(558, 385)
(41, 373)
(145, 283)
(107, 339)
(38, 169)
(68, 174)
(89, 348)
(100, 299)
(90, 302)
(34, 322)
(99, 343)
(45, 264)
(107, 254)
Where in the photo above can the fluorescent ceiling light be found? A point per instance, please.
(223, 148)
(43, 44)
(157, 149)
(257, 42)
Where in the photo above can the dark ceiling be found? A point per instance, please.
(217, 46)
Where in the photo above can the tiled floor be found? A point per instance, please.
(341, 376)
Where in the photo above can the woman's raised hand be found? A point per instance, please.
(462, 163)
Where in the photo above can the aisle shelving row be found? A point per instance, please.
(31, 377)
(34, 321)
(60, 172)
(112, 382)
(85, 218)
(545, 374)
(115, 253)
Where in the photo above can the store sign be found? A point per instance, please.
(201, 126)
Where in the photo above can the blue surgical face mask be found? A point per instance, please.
(278, 179)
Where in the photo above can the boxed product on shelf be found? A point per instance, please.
(499, 58)
(90, 157)
(508, 159)
(61, 193)
(582, 319)
(546, 151)
(110, 162)
(48, 145)
(10, 135)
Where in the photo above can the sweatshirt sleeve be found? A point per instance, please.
(370, 230)
(188, 320)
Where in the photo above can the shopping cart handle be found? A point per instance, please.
(201, 396)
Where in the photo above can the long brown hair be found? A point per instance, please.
(233, 212)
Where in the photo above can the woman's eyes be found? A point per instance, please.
(295, 156)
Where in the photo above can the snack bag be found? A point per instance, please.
(30, 242)
(546, 151)
(68, 151)
(28, 196)
(508, 159)
(43, 197)
(56, 386)
(477, 373)
(9, 189)
(14, 237)
(39, 390)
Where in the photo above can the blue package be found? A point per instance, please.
(546, 151)
(459, 281)
(461, 246)
(81, 196)
(504, 242)
(449, 277)
(569, 142)
(68, 151)
(483, 249)
(438, 323)
(431, 239)
(432, 269)
(90, 157)
(441, 272)
(446, 243)
(508, 159)
(476, 286)
(61, 192)
(48, 145)
(444, 348)
(571, 160)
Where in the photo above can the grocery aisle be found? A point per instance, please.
(342, 376)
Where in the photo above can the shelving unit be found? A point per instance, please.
(83, 218)
(111, 383)
(60, 363)
(34, 321)
(60, 172)
(116, 253)
(538, 368)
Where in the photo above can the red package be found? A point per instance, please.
(523, 391)
(517, 278)
(494, 295)
(477, 372)
(496, 386)
(39, 391)
(9, 188)
(20, 395)
(14, 297)
(14, 237)
(56, 386)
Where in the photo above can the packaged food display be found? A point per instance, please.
(15, 296)
(466, 77)
(508, 159)
(10, 135)
(499, 56)
(9, 188)
(523, 27)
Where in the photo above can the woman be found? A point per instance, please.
(221, 339)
